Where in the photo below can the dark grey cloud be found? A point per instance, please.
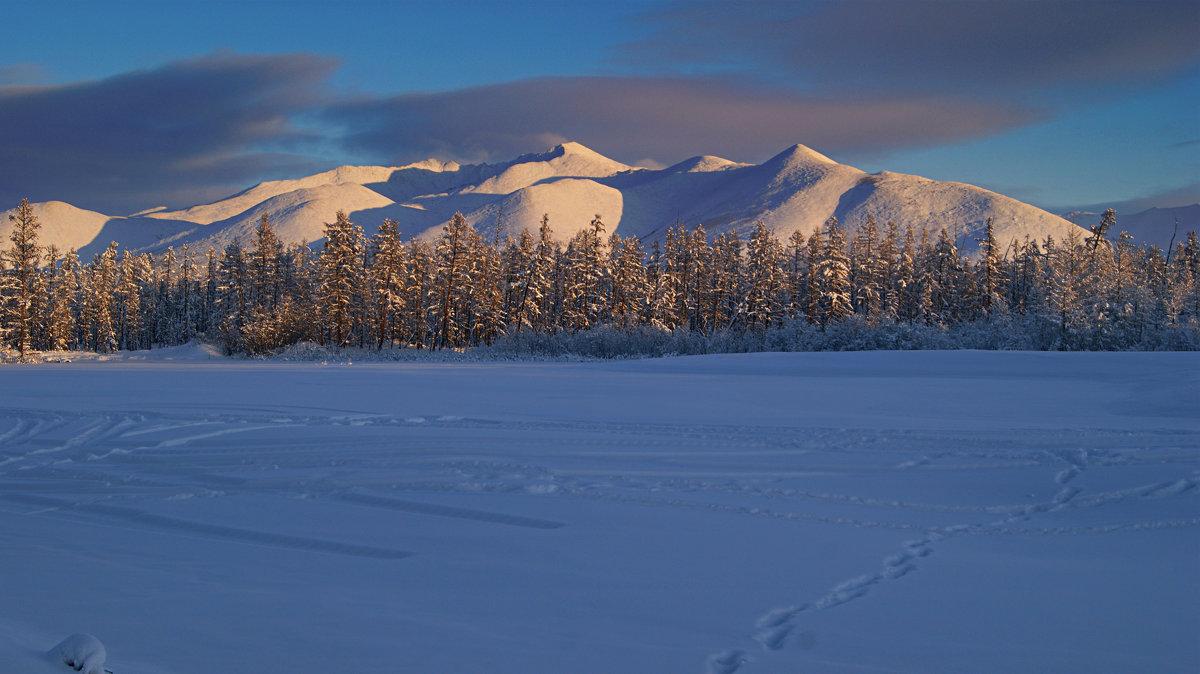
(988, 47)
(663, 119)
(203, 126)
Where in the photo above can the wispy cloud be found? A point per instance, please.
(22, 73)
(986, 48)
(853, 79)
(188, 127)
(1185, 195)
(662, 119)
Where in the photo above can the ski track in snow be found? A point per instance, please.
(116, 460)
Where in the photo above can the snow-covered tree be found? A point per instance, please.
(628, 264)
(834, 276)
(765, 281)
(265, 278)
(341, 278)
(725, 298)
(797, 277)
(389, 275)
(453, 280)
(990, 273)
(100, 292)
(524, 282)
(24, 259)
(867, 271)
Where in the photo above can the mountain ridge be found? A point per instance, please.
(798, 189)
(1154, 225)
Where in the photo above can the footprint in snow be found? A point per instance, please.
(727, 662)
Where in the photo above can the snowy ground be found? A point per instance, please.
(844, 512)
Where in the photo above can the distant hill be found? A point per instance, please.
(798, 189)
(1155, 225)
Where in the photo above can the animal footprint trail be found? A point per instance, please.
(775, 627)
(727, 662)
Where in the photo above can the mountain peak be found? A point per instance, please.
(797, 190)
(703, 164)
(800, 154)
(565, 151)
(571, 147)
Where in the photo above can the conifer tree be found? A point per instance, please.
(232, 288)
(60, 321)
(796, 274)
(834, 275)
(453, 278)
(128, 290)
(389, 275)
(264, 266)
(187, 295)
(341, 279)
(661, 290)
(25, 258)
(764, 278)
(422, 271)
(1063, 274)
(487, 297)
(943, 271)
(1099, 236)
(816, 253)
(100, 290)
(889, 252)
(540, 281)
(526, 282)
(990, 279)
(164, 322)
(727, 281)
(866, 272)
(628, 280)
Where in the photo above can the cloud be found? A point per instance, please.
(1186, 195)
(198, 126)
(22, 73)
(663, 119)
(985, 47)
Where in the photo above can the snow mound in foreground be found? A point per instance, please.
(81, 652)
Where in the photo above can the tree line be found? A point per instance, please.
(1095, 292)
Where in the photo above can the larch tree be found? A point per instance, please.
(765, 283)
(341, 278)
(453, 279)
(628, 280)
(525, 282)
(834, 275)
(389, 275)
(264, 266)
(989, 271)
(866, 272)
(60, 283)
(25, 257)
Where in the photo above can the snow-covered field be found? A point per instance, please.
(830, 512)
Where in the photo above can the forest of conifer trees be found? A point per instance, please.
(887, 286)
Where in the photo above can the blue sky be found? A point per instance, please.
(123, 106)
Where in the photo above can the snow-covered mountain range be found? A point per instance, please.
(1158, 226)
(798, 189)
